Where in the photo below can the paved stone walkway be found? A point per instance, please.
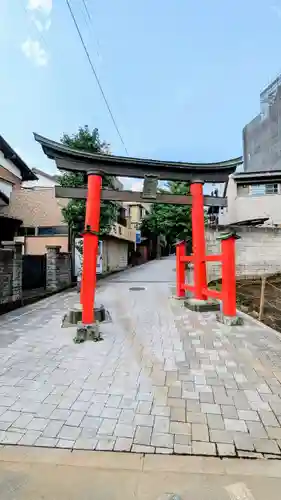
(163, 380)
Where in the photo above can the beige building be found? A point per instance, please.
(253, 195)
(42, 220)
(43, 224)
(135, 212)
(13, 171)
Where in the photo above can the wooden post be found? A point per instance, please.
(90, 248)
(263, 283)
(198, 240)
(180, 269)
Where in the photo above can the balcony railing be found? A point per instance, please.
(122, 232)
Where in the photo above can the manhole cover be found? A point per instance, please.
(136, 288)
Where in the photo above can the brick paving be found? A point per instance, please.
(163, 380)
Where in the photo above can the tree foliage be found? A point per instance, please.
(74, 213)
(171, 221)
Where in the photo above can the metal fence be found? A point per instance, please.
(33, 272)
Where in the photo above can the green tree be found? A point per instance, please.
(171, 221)
(74, 212)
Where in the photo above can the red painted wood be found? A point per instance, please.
(213, 258)
(190, 288)
(180, 269)
(187, 258)
(90, 249)
(214, 294)
(198, 240)
(228, 277)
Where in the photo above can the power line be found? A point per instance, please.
(87, 10)
(89, 21)
(95, 75)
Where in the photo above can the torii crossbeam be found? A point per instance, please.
(95, 165)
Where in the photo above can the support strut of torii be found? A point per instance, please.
(95, 165)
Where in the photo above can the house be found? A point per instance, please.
(42, 219)
(43, 180)
(13, 171)
(136, 212)
(41, 213)
(253, 195)
(43, 224)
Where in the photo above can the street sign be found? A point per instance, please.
(138, 237)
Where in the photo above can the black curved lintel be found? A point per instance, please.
(81, 161)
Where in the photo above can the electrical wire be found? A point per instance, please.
(87, 10)
(89, 22)
(95, 75)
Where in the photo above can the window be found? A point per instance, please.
(6, 187)
(263, 189)
(52, 230)
(26, 231)
(271, 189)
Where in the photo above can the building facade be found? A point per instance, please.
(136, 212)
(253, 195)
(262, 136)
(13, 171)
(43, 224)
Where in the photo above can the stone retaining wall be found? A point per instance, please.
(10, 272)
(257, 251)
(58, 269)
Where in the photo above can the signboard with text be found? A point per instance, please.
(79, 257)
(138, 237)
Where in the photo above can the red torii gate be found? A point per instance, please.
(95, 165)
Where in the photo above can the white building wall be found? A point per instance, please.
(42, 182)
(8, 165)
(243, 206)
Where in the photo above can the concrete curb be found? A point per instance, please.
(141, 462)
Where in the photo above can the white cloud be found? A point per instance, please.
(137, 186)
(131, 184)
(34, 51)
(44, 6)
(42, 26)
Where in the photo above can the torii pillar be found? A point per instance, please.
(198, 240)
(90, 248)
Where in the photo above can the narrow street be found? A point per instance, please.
(163, 380)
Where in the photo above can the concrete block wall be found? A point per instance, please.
(58, 269)
(257, 251)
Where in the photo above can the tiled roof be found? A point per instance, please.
(10, 154)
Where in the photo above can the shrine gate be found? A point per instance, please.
(95, 165)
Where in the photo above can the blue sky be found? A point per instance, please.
(182, 76)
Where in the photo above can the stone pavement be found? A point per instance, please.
(163, 380)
